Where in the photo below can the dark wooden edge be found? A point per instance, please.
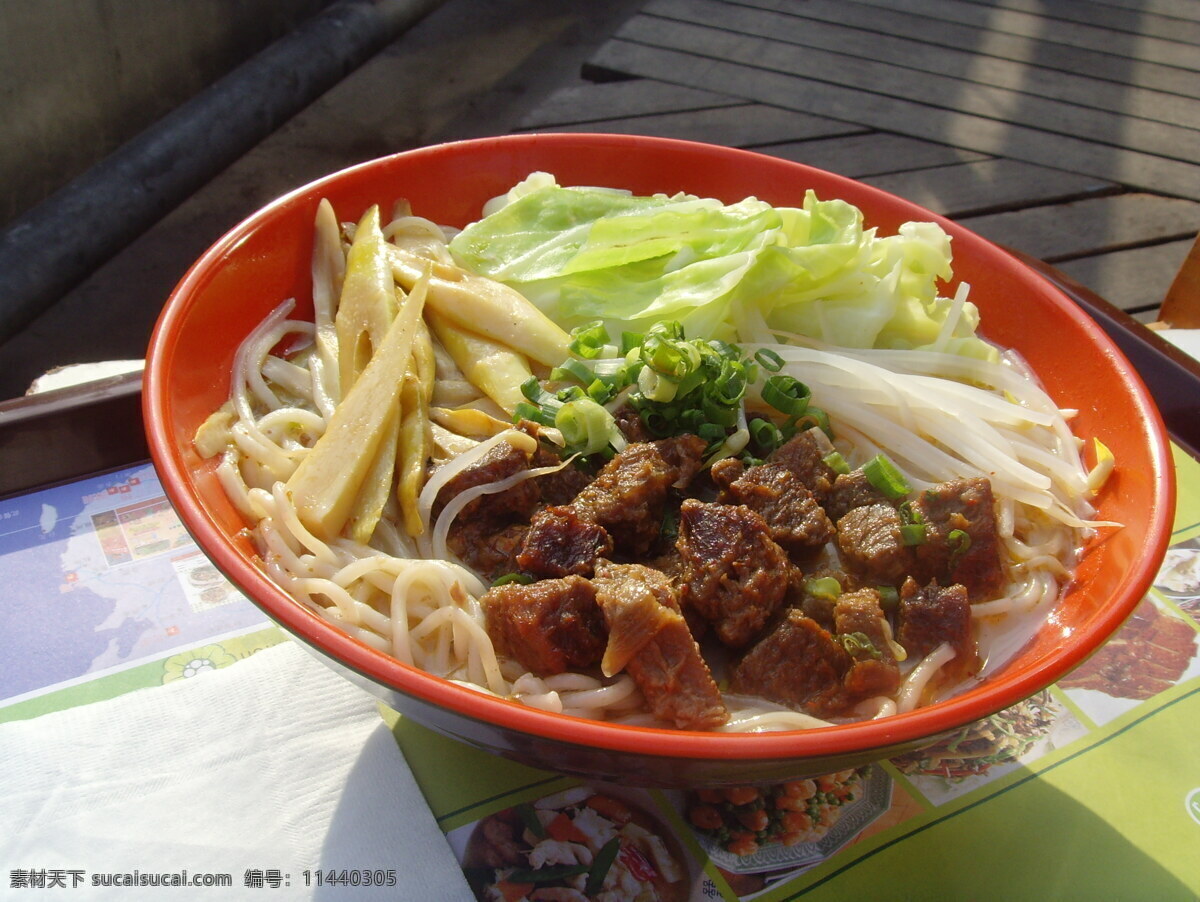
(1172, 376)
(69, 433)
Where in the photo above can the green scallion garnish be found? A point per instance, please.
(786, 394)
(589, 341)
(836, 462)
(883, 475)
(959, 542)
(823, 587)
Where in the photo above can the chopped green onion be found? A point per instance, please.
(523, 579)
(769, 360)
(959, 541)
(889, 598)
(670, 357)
(823, 587)
(532, 389)
(859, 643)
(814, 416)
(585, 425)
(526, 411)
(675, 385)
(765, 434)
(656, 387)
(572, 370)
(786, 394)
(719, 413)
(836, 462)
(589, 341)
(601, 392)
(570, 393)
(914, 533)
(631, 340)
(884, 476)
(672, 329)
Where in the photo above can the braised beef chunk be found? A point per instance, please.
(864, 633)
(930, 615)
(798, 664)
(629, 421)
(489, 550)
(852, 490)
(804, 454)
(501, 461)
(859, 613)
(870, 543)
(629, 495)
(560, 542)
(726, 471)
(734, 575)
(550, 626)
(649, 638)
(561, 486)
(962, 545)
(794, 518)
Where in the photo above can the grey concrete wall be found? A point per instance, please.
(78, 78)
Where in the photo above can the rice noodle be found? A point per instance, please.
(920, 676)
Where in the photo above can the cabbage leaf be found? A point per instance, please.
(745, 271)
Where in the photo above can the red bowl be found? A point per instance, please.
(266, 259)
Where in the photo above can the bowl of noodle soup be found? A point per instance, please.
(370, 609)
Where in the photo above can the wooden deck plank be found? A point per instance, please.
(874, 153)
(1184, 9)
(868, 74)
(1135, 279)
(733, 126)
(592, 102)
(1082, 228)
(1145, 74)
(930, 52)
(971, 189)
(1177, 26)
(1170, 53)
(905, 117)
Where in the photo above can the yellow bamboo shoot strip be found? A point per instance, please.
(494, 368)
(485, 307)
(377, 484)
(412, 453)
(328, 274)
(368, 302)
(366, 308)
(416, 442)
(330, 476)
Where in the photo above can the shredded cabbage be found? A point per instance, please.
(738, 272)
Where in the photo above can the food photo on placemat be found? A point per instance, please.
(582, 843)
(1153, 651)
(1179, 577)
(777, 830)
(990, 748)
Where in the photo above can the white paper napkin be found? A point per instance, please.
(274, 766)
(1187, 340)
